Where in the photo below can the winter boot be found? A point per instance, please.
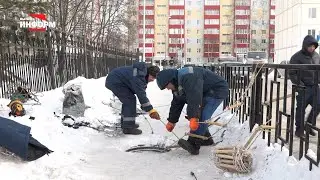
(132, 131)
(312, 133)
(209, 141)
(192, 145)
(136, 126)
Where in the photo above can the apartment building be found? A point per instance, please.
(200, 31)
(294, 20)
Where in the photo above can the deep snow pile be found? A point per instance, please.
(85, 153)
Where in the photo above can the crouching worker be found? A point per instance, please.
(203, 91)
(127, 81)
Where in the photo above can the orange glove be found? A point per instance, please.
(194, 124)
(154, 114)
(170, 126)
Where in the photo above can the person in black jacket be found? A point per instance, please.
(127, 81)
(203, 91)
(307, 55)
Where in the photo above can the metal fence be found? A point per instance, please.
(268, 97)
(45, 60)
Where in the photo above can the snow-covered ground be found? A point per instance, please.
(85, 153)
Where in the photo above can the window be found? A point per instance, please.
(264, 41)
(211, 21)
(271, 31)
(188, 59)
(272, 12)
(242, 12)
(242, 31)
(176, 2)
(242, 22)
(161, 5)
(189, 13)
(272, 21)
(198, 50)
(176, 31)
(212, 2)
(148, 40)
(211, 31)
(148, 12)
(176, 21)
(198, 41)
(176, 12)
(188, 31)
(226, 53)
(242, 3)
(198, 22)
(271, 41)
(211, 12)
(253, 32)
(254, 41)
(198, 31)
(148, 31)
(225, 43)
(189, 50)
(312, 12)
(263, 31)
(312, 32)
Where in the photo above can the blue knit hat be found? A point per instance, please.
(165, 76)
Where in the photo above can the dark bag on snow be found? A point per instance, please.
(17, 139)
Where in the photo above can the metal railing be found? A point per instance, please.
(46, 60)
(271, 100)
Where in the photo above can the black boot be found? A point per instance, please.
(209, 141)
(136, 126)
(312, 133)
(192, 145)
(133, 131)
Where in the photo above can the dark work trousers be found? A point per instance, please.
(210, 106)
(302, 103)
(129, 103)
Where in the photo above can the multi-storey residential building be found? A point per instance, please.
(200, 31)
(295, 20)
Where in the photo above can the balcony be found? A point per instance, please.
(211, 36)
(242, 45)
(147, 35)
(242, 7)
(206, 26)
(211, 7)
(176, 16)
(176, 45)
(211, 54)
(176, 6)
(147, 7)
(176, 26)
(242, 17)
(147, 26)
(147, 16)
(211, 16)
(242, 26)
(147, 45)
(242, 36)
(176, 35)
(211, 45)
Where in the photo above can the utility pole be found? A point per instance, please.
(144, 31)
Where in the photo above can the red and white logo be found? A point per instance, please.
(36, 22)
